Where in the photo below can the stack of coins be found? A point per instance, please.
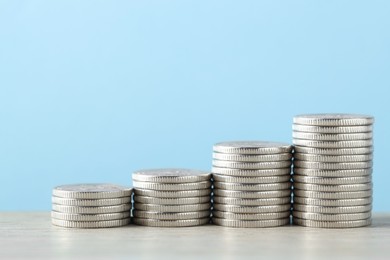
(252, 184)
(332, 170)
(91, 206)
(171, 197)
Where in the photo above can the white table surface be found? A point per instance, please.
(31, 235)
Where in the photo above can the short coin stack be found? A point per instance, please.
(332, 170)
(172, 197)
(91, 206)
(252, 184)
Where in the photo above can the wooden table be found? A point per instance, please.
(25, 234)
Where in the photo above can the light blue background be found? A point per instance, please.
(92, 90)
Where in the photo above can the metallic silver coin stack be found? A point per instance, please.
(252, 184)
(171, 197)
(91, 205)
(332, 170)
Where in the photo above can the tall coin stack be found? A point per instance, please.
(332, 170)
(171, 197)
(91, 206)
(252, 186)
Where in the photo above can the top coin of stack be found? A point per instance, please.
(91, 205)
(171, 197)
(332, 170)
(252, 186)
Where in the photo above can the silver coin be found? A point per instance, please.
(332, 173)
(252, 147)
(333, 188)
(171, 223)
(332, 129)
(332, 166)
(172, 201)
(252, 157)
(251, 173)
(252, 187)
(333, 158)
(252, 209)
(171, 175)
(333, 144)
(333, 203)
(252, 202)
(250, 223)
(332, 210)
(243, 216)
(331, 137)
(334, 224)
(172, 186)
(172, 194)
(252, 194)
(91, 202)
(332, 181)
(171, 215)
(92, 191)
(90, 224)
(333, 119)
(91, 210)
(90, 217)
(172, 208)
(251, 165)
(333, 195)
(259, 179)
(331, 217)
(334, 151)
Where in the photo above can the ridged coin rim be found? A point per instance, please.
(333, 151)
(173, 194)
(252, 165)
(258, 179)
(252, 187)
(252, 157)
(172, 186)
(170, 223)
(250, 223)
(332, 166)
(332, 129)
(333, 195)
(334, 202)
(333, 119)
(252, 147)
(172, 208)
(332, 173)
(252, 194)
(251, 173)
(332, 180)
(171, 201)
(90, 202)
(331, 217)
(331, 210)
(171, 175)
(333, 144)
(331, 137)
(333, 158)
(252, 209)
(91, 210)
(333, 188)
(253, 216)
(252, 202)
(172, 215)
(325, 224)
(91, 191)
(90, 217)
(90, 224)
